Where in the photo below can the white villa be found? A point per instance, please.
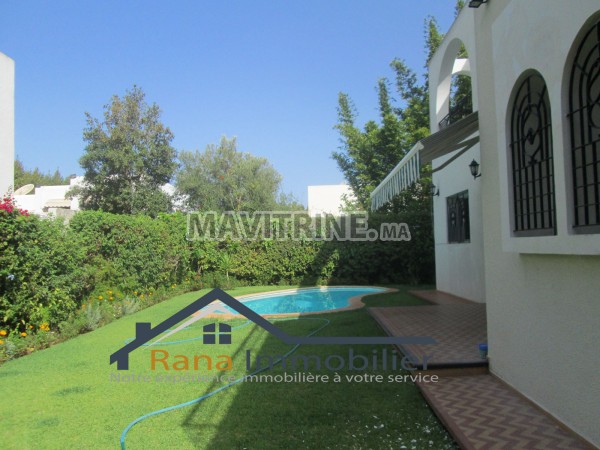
(7, 122)
(56, 201)
(328, 198)
(517, 218)
(524, 236)
(46, 200)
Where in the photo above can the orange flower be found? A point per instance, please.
(31, 327)
(1, 342)
(100, 297)
(2, 333)
(23, 334)
(111, 298)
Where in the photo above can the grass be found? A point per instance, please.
(63, 397)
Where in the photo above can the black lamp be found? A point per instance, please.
(474, 166)
(435, 191)
(476, 3)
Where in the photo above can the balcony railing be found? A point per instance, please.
(461, 109)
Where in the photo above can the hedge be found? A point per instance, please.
(50, 270)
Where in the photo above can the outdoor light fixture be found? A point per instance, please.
(435, 191)
(476, 3)
(474, 166)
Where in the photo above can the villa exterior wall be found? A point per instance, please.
(7, 123)
(542, 293)
(459, 266)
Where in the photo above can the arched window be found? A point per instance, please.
(532, 159)
(584, 117)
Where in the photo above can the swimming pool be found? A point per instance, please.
(305, 300)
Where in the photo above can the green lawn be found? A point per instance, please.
(63, 397)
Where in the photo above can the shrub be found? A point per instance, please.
(270, 261)
(134, 252)
(93, 316)
(42, 272)
(102, 266)
(129, 306)
(72, 327)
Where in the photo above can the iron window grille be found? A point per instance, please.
(458, 218)
(584, 118)
(532, 160)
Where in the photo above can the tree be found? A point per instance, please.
(366, 156)
(37, 177)
(224, 179)
(128, 158)
(288, 202)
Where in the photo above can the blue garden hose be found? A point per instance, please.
(127, 341)
(222, 388)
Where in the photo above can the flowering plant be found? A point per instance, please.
(8, 205)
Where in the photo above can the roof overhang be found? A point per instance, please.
(458, 137)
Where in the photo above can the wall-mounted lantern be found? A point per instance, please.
(476, 3)
(474, 167)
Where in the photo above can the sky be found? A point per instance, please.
(266, 72)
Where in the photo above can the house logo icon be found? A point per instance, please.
(209, 333)
(144, 331)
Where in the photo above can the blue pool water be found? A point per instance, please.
(305, 300)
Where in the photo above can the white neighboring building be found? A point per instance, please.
(7, 123)
(328, 198)
(532, 251)
(53, 200)
(47, 200)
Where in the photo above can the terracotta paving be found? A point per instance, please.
(480, 411)
(483, 413)
(439, 297)
(458, 329)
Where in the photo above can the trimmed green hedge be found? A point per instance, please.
(49, 271)
(133, 252)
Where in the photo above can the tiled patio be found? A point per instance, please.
(480, 411)
(458, 329)
(436, 297)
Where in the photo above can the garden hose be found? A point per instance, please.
(181, 341)
(222, 388)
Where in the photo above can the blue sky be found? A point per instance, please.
(267, 72)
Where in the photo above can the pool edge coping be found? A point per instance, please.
(355, 302)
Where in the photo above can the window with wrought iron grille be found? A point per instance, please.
(532, 160)
(458, 217)
(584, 119)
